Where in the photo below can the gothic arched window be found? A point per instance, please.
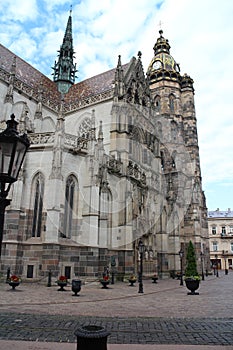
(85, 127)
(174, 130)
(71, 199)
(162, 160)
(157, 103)
(38, 193)
(172, 103)
(105, 216)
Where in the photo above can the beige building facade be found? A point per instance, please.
(113, 159)
(220, 225)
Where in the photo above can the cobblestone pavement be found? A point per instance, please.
(122, 330)
(163, 314)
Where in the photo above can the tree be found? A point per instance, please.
(191, 265)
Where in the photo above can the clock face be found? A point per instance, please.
(157, 65)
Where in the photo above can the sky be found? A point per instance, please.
(200, 33)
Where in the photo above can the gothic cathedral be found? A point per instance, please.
(112, 159)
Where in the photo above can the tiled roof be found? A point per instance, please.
(32, 78)
(28, 74)
(92, 86)
(220, 214)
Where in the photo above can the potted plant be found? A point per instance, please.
(62, 282)
(13, 281)
(192, 278)
(154, 278)
(132, 280)
(105, 281)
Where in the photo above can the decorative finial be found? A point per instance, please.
(70, 10)
(160, 24)
(139, 54)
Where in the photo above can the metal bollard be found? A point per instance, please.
(91, 337)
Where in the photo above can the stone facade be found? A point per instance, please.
(113, 159)
(220, 224)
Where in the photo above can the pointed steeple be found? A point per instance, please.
(64, 68)
(119, 80)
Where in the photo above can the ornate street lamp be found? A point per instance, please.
(141, 248)
(202, 268)
(181, 254)
(13, 148)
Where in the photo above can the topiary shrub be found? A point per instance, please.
(191, 265)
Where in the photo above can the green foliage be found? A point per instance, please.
(191, 265)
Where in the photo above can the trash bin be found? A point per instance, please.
(91, 337)
(76, 286)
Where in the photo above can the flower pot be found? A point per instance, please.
(13, 284)
(104, 284)
(192, 285)
(154, 279)
(132, 281)
(61, 285)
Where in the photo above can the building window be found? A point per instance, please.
(70, 193)
(144, 156)
(223, 230)
(157, 103)
(171, 103)
(105, 215)
(38, 206)
(231, 229)
(215, 246)
(214, 230)
(162, 160)
(232, 246)
(130, 146)
(85, 128)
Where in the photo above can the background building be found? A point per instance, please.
(220, 225)
(113, 158)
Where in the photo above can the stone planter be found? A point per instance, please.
(13, 284)
(192, 285)
(132, 281)
(154, 279)
(61, 285)
(104, 284)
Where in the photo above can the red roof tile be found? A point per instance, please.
(32, 78)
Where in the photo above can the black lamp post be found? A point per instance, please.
(225, 261)
(13, 148)
(202, 268)
(141, 251)
(181, 254)
(216, 263)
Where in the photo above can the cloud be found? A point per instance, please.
(19, 10)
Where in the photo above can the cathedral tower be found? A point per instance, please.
(173, 100)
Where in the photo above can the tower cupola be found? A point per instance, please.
(163, 65)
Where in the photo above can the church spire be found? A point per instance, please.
(64, 68)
